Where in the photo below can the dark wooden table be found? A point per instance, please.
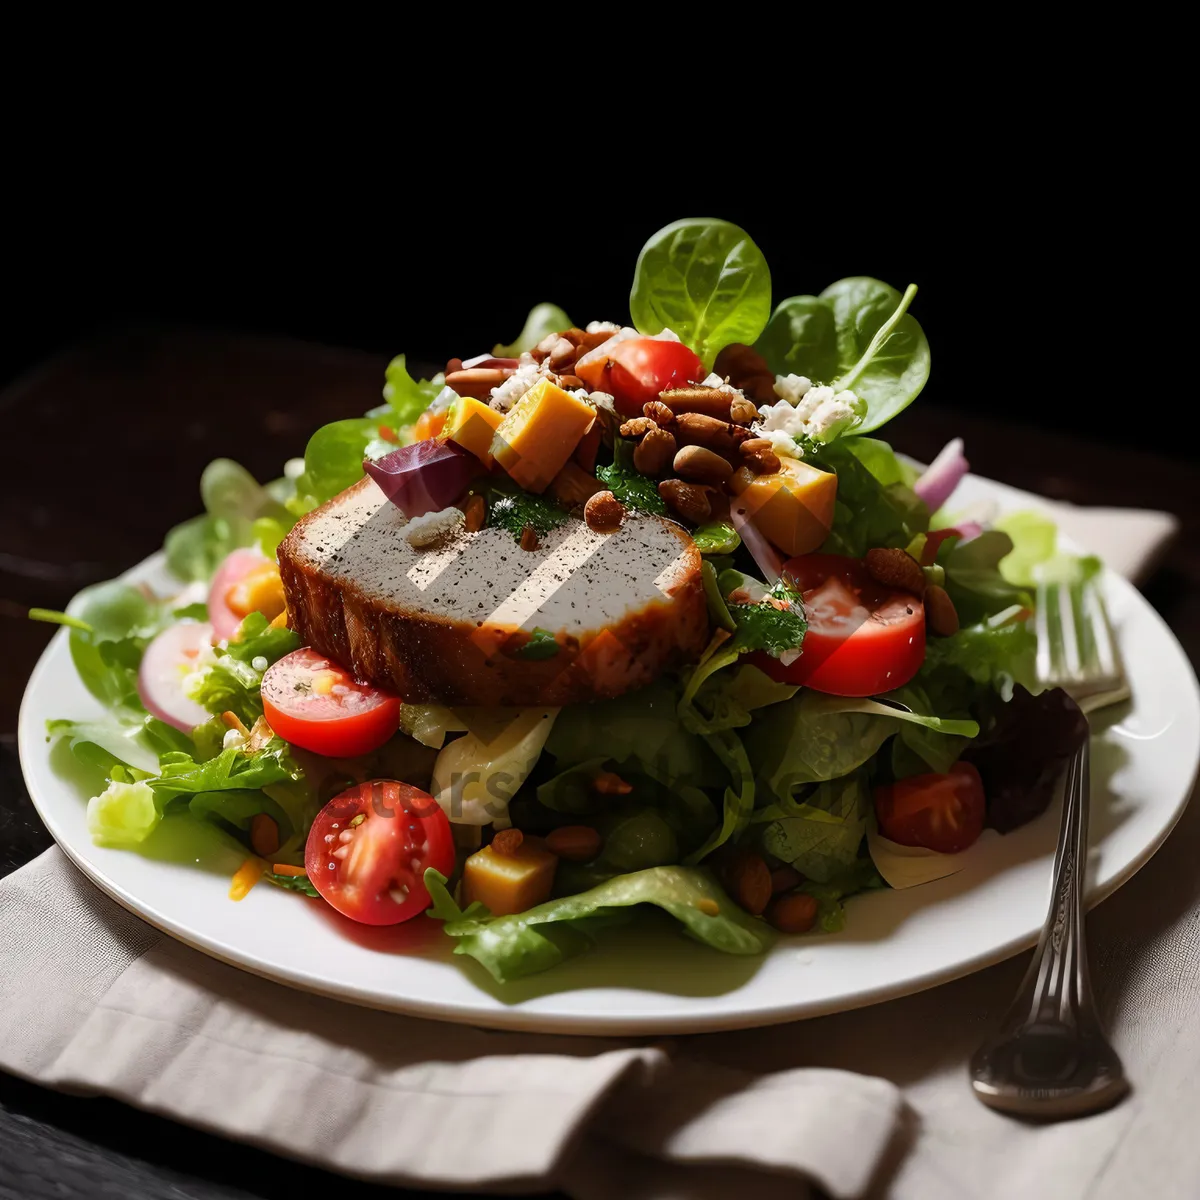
(104, 448)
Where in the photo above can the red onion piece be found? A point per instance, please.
(165, 665)
(424, 477)
(488, 360)
(233, 570)
(943, 475)
(967, 530)
(769, 560)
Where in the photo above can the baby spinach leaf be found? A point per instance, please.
(543, 319)
(632, 488)
(857, 335)
(706, 280)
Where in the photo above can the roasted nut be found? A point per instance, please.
(574, 335)
(590, 341)
(475, 511)
(659, 413)
(699, 465)
(896, 569)
(604, 513)
(722, 437)
(573, 485)
(478, 381)
(746, 369)
(529, 538)
(609, 783)
(759, 455)
(687, 500)
(710, 401)
(507, 842)
(748, 880)
(638, 427)
(785, 879)
(455, 364)
(570, 382)
(562, 354)
(575, 843)
(652, 454)
(743, 411)
(941, 617)
(795, 912)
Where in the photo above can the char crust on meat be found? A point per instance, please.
(449, 624)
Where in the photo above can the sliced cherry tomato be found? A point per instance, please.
(863, 638)
(368, 849)
(940, 812)
(636, 370)
(429, 425)
(312, 702)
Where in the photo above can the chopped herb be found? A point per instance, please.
(542, 644)
(776, 624)
(514, 509)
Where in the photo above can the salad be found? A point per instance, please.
(613, 617)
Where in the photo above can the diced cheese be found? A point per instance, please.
(472, 424)
(539, 434)
(509, 883)
(506, 394)
(792, 507)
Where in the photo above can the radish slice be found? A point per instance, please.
(233, 570)
(168, 660)
(769, 560)
(424, 477)
(943, 475)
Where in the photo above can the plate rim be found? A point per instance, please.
(517, 1017)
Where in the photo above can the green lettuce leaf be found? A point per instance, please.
(543, 320)
(123, 815)
(407, 398)
(525, 943)
(1035, 541)
(231, 682)
(861, 876)
(823, 836)
(973, 576)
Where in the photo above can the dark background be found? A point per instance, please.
(1029, 295)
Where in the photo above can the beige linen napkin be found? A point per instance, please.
(872, 1102)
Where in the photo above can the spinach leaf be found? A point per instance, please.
(822, 838)
(525, 943)
(856, 335)
(973, 576)
(543, 319)
(706, 280)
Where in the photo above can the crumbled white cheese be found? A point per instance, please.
(293, 468)
(506, 394)
(432, 527)
(584, 395)
(443, 400)
(234, 738)
(812, 414)
(713, 380)
(602, 327)
(782, 443)
(792, 387)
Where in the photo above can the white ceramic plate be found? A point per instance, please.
(648, 979)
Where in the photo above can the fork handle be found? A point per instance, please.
(1057, 987)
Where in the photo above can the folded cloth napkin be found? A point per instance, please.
(865, 1103)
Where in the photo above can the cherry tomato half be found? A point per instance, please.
(635, 371)
(863, 638)
(940, 812)
(368, 849)
(312, 702)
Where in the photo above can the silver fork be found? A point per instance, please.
(1051, 1059)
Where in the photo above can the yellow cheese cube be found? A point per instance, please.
(509, 883)
(539, 434)
(792, 507)
(471, 424)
